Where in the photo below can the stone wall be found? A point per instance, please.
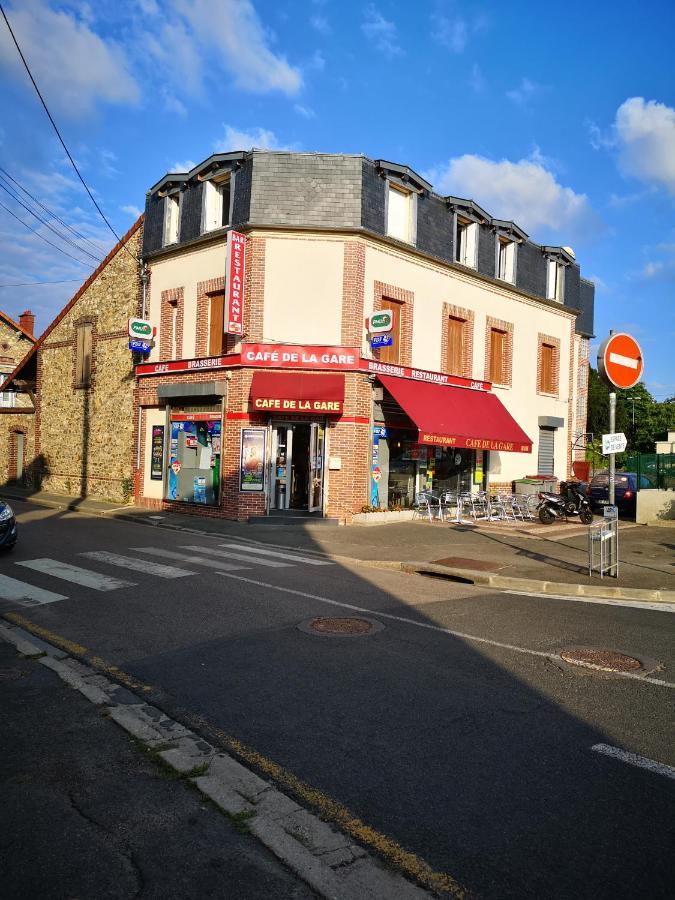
(85, 434)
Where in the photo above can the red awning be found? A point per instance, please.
(457, 417)
(298, 392)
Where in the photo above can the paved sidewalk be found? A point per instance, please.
(86, 814)
(529, 551)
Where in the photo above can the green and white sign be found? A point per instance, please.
(140, 328)
(381, 321)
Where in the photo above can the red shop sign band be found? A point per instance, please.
(234, 282)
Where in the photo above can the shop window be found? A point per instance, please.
(400, 207)
(466, 242)
(171, 218)
(547, 369)
(83, 349)
(216, 324)
(194, 458)
(216, 207)
(498, 345)
(456, 345)
(506, 260)
(392, 354)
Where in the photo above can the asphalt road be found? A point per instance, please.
(451, 730)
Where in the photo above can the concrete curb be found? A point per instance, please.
(325, 858)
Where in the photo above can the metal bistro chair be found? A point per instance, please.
(448, 501)
(427, 504)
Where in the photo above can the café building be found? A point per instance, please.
(330, 333)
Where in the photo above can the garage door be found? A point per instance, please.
(546, 441)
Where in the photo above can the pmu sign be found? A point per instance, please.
(620, 361)
(381, 322)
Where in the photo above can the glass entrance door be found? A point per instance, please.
(316, 454)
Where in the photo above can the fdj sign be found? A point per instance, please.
(381, 340)
(381, 321)
(140, 329)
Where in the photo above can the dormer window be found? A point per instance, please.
(555, 280)
(466, 242)
(171, 218)
(400, 205)
(216, 209)
(506, 260)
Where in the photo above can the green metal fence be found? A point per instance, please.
(654, 470)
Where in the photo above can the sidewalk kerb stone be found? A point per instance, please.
(222, 795)
(130, 718)
(237, 777)
(23, 646)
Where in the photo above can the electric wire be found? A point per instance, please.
(32, 283)
(97, 249)
(44, 222)
(46, 240)
(58, 134)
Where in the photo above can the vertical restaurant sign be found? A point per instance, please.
(234, 282)
(252, 467)
(157, 453)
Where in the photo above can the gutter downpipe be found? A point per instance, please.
(144, 286)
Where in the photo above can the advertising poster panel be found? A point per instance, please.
(252, 466)
(157, 453)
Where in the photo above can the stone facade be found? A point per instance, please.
(79, 440)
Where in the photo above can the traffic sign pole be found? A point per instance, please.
(612, 456)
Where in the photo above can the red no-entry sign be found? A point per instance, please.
(620, 361)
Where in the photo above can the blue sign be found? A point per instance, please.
(380, 431)
(139, 346)
(381, 340)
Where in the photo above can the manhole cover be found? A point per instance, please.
(604, 660)
(461, 562)
(340, 626)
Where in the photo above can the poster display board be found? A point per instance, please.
(252, 465)
(157, 453)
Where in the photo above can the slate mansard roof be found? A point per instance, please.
(348, 192)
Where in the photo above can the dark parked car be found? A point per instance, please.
(8, 532)
(625, 487)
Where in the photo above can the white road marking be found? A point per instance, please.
(85, 577)
(635, 604)
(634, 759)
(294, 556)
(626, 361)
(190, 558)
(26, 594)
(137, 565)
(474, 638)
(227, 554)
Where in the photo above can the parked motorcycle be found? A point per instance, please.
(571, 501)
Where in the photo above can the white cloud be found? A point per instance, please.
(240, 44)
(317, 62)
(74, 67)
(646, 138)
(183, 166)
(304, 111)
(131, 210)
(524, 191)
(527, 90)
(320, 23)
(236, 139)
(381, 32)
(452, 33)
(477, 81)
(173, 104)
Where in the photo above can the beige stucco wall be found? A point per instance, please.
(432, 286)
(303, 290)
(184, 270)
(152, 489)
(655, 508)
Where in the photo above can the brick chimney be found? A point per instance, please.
(27, 321)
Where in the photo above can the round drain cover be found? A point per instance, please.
(340, 626)
(604, 660)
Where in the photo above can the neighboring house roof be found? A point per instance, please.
(31, 355)
(6, 319)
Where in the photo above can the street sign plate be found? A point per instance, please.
(613, 443)
(620, 361)
(611, 512)
(140, 346)
(381, 321)
(381, 340)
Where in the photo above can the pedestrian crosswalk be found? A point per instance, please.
(187, 560)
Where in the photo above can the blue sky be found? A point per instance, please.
(559, 117)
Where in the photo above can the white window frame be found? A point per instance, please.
(172, 203)
(506, 259)
(7, 398)
(408, 233)
(555, 280)
(466, 242)
(212, 203)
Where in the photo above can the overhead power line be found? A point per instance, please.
(46, 240)
(58, 134)
(32, 283)
(51, 213)
(44, 222)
